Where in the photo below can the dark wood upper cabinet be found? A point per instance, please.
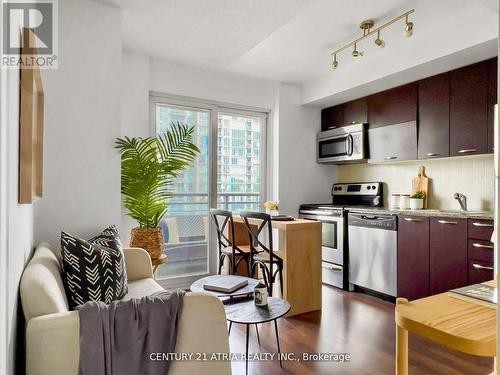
(447, 254)
(434, 117)
(392, 143)
(492, 99)
(356, 112)
(413, 257)
(393, 106)
(332, 117)
(469, 110)
(353, 112)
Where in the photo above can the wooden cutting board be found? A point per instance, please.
(421, 183)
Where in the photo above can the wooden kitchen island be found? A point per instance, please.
(301, 244)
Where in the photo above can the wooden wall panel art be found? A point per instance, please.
(30, 129)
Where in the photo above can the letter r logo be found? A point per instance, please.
(36, 15)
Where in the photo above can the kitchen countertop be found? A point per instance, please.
(484, 215)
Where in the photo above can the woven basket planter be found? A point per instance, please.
(149, 239)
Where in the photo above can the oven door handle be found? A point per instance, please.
(324, 219)
(332, 267)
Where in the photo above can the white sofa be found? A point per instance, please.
(52, 331)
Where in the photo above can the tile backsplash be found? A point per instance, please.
(472, 176)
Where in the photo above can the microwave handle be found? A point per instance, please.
(350, 145)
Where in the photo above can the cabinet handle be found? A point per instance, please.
(354, 122)
(390, 157)
(483, 225)
(412, 220)
(480, 267)
(481, 246)
(467, 150)
(447, 222)
(433, 154)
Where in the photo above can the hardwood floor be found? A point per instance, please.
(349, 323)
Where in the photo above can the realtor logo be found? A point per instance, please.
(29, 30)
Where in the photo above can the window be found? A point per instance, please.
(231, 162)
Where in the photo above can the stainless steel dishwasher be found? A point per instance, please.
(373, 252)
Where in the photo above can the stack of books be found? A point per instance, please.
(226, 284)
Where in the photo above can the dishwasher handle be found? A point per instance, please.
(388, 222)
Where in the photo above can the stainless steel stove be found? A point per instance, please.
(333, 216)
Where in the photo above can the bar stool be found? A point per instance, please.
(261, 254)
(226, 245)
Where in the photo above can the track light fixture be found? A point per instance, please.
(408, 27)
(368, 30)
(335, 63)
(379, 42)
(355, 52)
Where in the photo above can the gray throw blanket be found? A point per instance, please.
(119, 338)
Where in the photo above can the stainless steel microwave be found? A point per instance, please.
(342, 145)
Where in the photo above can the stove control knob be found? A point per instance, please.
(369, 187)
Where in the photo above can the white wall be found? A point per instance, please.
(134, 112)
(301, 179)
(82, 120)
(175, 79)
(470, 175)
(134, 109)
(16, 221)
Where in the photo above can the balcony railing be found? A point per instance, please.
(225, 201)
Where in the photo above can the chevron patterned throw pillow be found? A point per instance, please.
(93, 270)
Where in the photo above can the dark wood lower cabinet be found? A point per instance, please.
(437, 254)
(448, 254)
(480, 229)
(480, 251)
(413, 257)
(479, 272)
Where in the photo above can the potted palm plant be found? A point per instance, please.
(149, 166)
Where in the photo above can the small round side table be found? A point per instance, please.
(243, 311)
(247, 313)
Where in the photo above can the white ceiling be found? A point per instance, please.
(291, 40)
(209, 34)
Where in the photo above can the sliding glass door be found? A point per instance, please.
(185, 227)
(227, 174)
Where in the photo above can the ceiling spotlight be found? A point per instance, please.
(355, 52)
(335, 63)
(379, 42)
(408, 27)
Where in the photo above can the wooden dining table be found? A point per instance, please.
(301, 245)
(460, 325)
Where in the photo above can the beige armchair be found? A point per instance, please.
(52, 331)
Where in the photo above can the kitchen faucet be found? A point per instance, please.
(462, 200)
